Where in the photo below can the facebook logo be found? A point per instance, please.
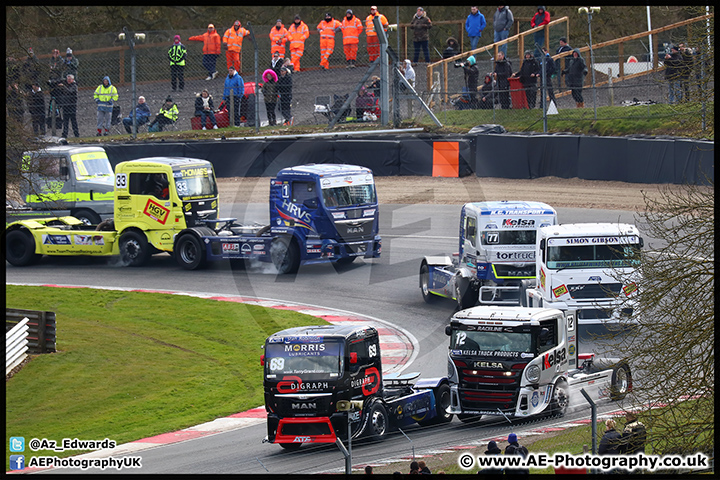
(17, 444)
(17, 462)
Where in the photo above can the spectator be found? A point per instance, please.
(276, 62)
(351, 30)
(541, 17)
(421, 25)
(501, 75)
(142, 115)
(56, 66)
(167, 115)
(549, 73)
(474, 26)
(36, 108)
(528, 74)
(502, 23)
(514, 448)
(327, 30)
(287, 63)
(285, 91)
(31, 70)
(105, 97)
(270, 94)
(234, 86)
(374, 86)
(297, 34)
(610, 441)
(14, 102)
(414, 467)
(673, 72)
(687, 66)
(68, 102)
(211, 49)
(373, 44)
(177, 54)
(491, 450)
(423, 468)
(563, 47)
(472, 76)
(368, 470)
(452, 48)
(574, 77)
(71, 65)
(204, 108)
(278, 37)
(233, 42)
(365, 104)
(487, 96)
(409, 72)
(634, 435)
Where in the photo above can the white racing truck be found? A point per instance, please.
(497, 252)
(589, 267)
(521, 361)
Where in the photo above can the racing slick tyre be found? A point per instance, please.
(469, 418)
(291, 446)
(621, 381)
(88, 217)
(190, 252)
(285, 255)
(442, 403)
(560, 399)
(378, 422)
(20, 248)
(465, 294)
(134, 249)
(425, 284)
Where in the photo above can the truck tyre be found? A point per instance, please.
(442, 403)
(465, 294)
(621, 381)
(20, 248)
(560, 399)
(134, 249)
(190, 252)
(378, 422)
(88, 217)
(469, 418)
(285, 255)
(425, 284)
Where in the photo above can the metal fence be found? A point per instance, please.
(624, 74)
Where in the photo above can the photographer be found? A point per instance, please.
(472, 76)
(501, 74)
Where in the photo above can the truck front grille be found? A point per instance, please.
(594, 290)
(489, 389)
(353, 230)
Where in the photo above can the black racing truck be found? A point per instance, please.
(320, 379)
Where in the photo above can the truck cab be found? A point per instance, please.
(65, 180)
(312, 376)
(590, 267)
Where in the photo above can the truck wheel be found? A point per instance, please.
(465, 294)
(88, 217)
(134, 249)
(442, 403)
(291, 446)
(189, 252)
(285, 255)
(378, 422)
(560, 399)
(20, 248)
(621, 381)
(468, 418)
(425, 284)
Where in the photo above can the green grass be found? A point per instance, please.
(131, 365)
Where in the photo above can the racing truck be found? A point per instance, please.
(522, 361)
(497, 252)
(324, 383)
(318, 213)
(64, 180)
(588, 267)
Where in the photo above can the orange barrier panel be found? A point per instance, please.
(446, 158)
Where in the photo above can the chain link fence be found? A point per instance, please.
(624, 74)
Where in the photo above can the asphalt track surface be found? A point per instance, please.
(385, 288)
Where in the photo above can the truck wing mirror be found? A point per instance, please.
(64, 170)
(544, 336)
(542, 244)
(311, 203)
(353, 357)
(448, 330)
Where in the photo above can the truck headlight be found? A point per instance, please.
(533, 374)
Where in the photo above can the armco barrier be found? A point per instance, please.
(41, 328)
(16, 345)
(632, 159)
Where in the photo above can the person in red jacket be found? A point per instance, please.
(327, 29)
(233, 42)
(278, 37)
(298, 33)
(542, 17)
(211, 49)
(351, 30)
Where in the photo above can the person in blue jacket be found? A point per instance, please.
(142, 112)
(474, 26)
(234, 84)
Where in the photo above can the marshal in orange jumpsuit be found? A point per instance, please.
(351, 29)
(233, 41)
(327, 29)
(278, 37)
(373, 44)
(297, 34)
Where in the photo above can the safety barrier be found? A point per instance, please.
(16, 345)
(41, 335)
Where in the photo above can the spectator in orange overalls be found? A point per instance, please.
(298, 33)
(351, 29)
(327, 30)
(373, 44)
(233, 42)
(211, 49)
(278, 37)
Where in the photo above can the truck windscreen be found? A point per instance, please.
(508, 237)
(195, 183)
(593, 256)
(346, 196)
(325, 358)
(91, 168)
(491, 341)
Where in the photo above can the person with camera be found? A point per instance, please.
(472, 76)
(67, 98)
(528, 74)
(501, 75)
